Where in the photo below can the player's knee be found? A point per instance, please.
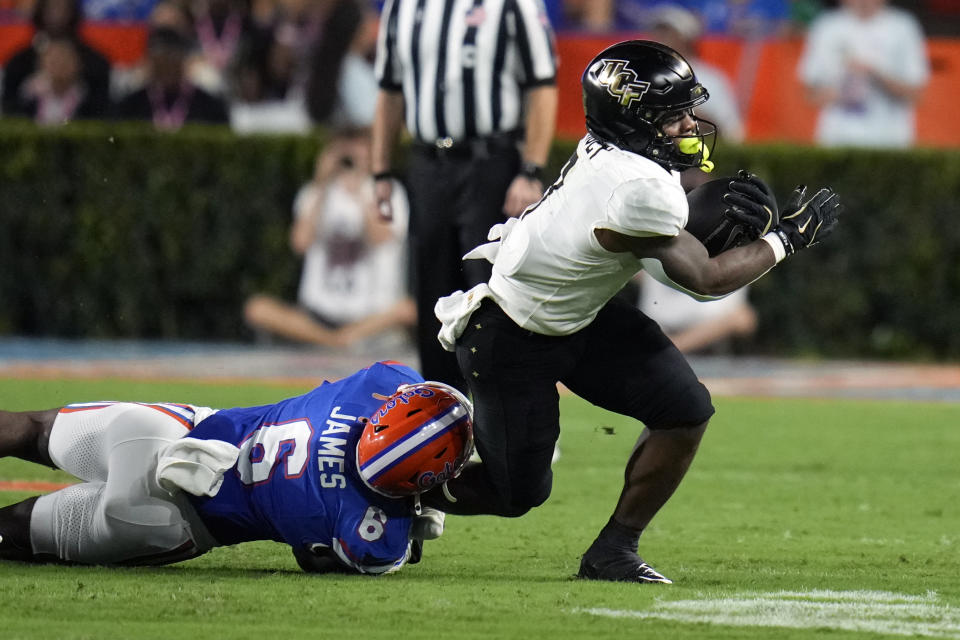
(696, 412)
(140, 526)
(532, 496)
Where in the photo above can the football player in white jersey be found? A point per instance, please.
(547, 314)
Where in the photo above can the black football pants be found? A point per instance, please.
(621, 362)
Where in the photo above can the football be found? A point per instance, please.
(707, 221)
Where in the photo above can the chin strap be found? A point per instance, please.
(446, 493)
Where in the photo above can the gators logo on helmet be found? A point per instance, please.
(418, 439)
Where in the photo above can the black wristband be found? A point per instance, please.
(383, 175)
(531, 170)
(785, 239)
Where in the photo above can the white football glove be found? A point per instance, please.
(428, 525)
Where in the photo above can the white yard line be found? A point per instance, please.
(867, 611)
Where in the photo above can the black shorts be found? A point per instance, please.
(621, 362)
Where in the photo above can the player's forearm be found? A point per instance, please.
(387, 122)
(723, 274)
(540, 124)
(739, 267)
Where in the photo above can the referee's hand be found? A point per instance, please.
(383, 192)
(523, 192)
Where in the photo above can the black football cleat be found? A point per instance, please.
(618, 567)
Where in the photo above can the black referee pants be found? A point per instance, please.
(455, 197)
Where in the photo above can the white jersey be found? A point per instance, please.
(892, 42)
(551, 275)
(345, 277)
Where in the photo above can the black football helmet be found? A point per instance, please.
(631, 88)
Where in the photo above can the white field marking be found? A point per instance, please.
(867, 611)
(880, 541)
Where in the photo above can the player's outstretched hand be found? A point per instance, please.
(751, 203)
(805, 222)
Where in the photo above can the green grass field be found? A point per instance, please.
(799, 519)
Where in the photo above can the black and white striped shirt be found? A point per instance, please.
(463, 65)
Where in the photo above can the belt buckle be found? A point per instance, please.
(443, 144)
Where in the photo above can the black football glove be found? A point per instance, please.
(751, 204)
(805, 223)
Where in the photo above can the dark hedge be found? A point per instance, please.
(110, 230)
(117, 231)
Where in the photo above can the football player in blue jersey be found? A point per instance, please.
(335, 473)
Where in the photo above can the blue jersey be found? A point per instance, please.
(296, 479)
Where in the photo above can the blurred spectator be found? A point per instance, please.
(696, 326)
(57, 18)
(169, 98)
(221, 29)
(263, 13)
(742, 18)
(267, 67)
(267, 93)
(352, 286)
(865, 65)
(302, 20)
(56, 93)
(343, 58)
(173, 14)
(314, 66)
(589, 15)
(166, 14)
(15, 10)
(680, 29)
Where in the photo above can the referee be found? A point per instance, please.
(474, 83)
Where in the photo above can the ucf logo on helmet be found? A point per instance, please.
(621, 82)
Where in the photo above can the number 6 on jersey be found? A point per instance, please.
(271, 444)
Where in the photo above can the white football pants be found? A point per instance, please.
(119, 514)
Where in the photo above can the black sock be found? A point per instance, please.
(619, 537)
